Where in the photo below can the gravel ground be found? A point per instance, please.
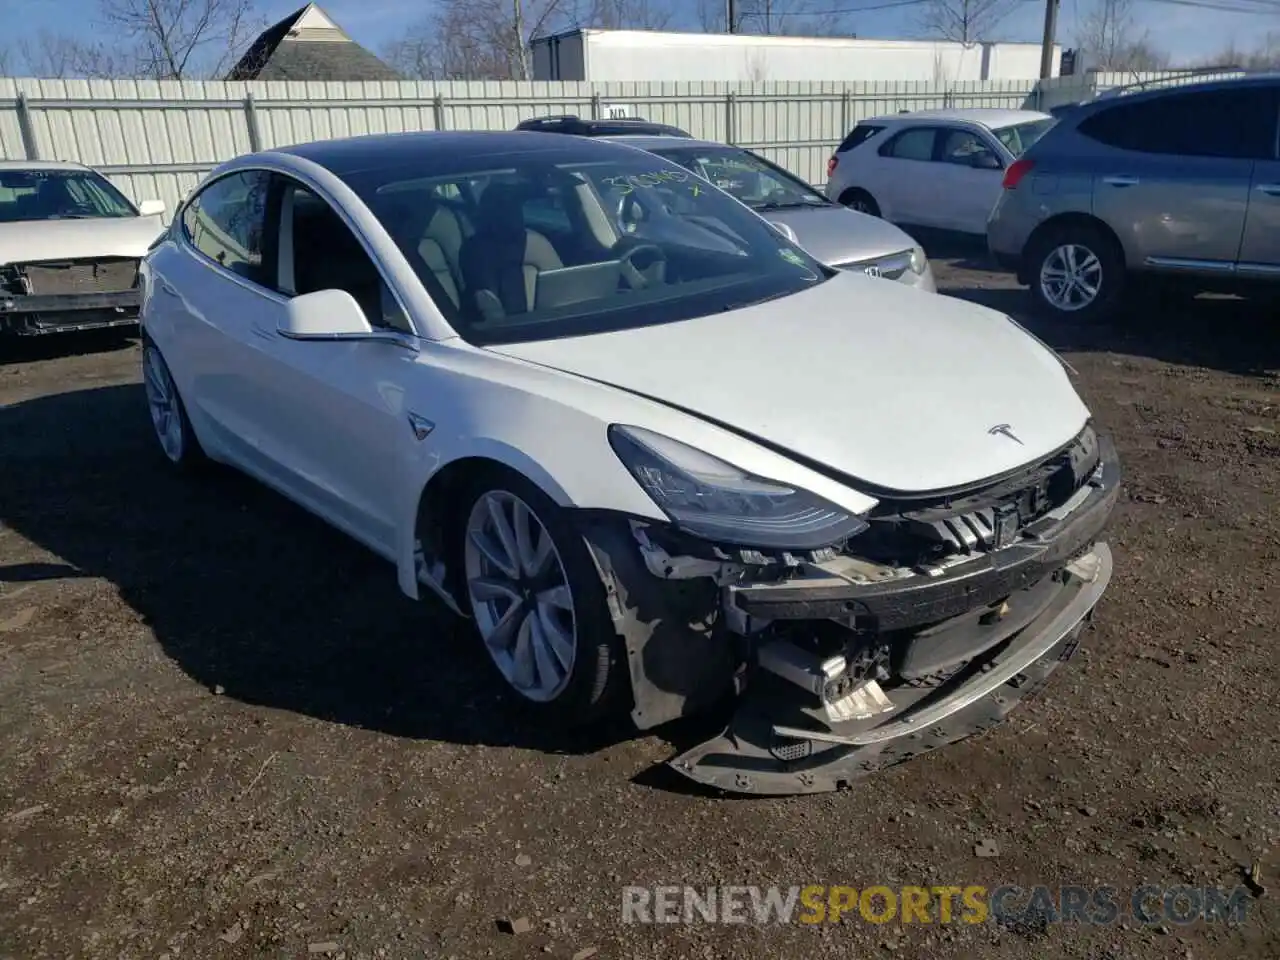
(224, 733)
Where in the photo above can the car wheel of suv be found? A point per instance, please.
(168, 415)
(537, 600)
(860, 201)
(1076, 272)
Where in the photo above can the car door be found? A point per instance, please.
(901, 179)
(335, 410)
(1173, 176)
(1260, 247)
(210, 295)
(970, 169)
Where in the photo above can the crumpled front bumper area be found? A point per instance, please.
(843, 666)
(778, 745)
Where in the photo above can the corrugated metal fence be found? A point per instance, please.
(156, 139)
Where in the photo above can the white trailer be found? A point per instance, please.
(646, 55)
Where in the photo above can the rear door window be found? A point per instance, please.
(1229, 123)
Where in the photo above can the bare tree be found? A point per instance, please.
(182, 39)
(964, 21)
(626, 14)
(1263, 56)
(1111, 40)
(813, 18)
(477, 39)
(57, 56)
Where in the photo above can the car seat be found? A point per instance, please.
(501, 261)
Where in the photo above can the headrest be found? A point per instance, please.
(501, 212)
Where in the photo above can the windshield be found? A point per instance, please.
(59, 195)
(1019, 137)
(565, 242)
(753, 180)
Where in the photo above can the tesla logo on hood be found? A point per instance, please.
(1004, 430)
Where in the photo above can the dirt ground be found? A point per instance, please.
(224, 733)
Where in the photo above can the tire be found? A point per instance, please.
(564, 685)
(1098, 265)
(169, 419)
(860, 201)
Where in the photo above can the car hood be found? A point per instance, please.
(836, 234)
(901, 390)
(34, 240)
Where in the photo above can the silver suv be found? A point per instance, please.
(1181, 182)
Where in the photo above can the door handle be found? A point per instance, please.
(1120, 180)
(168, 288)
(1270, 189)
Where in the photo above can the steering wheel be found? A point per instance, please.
(628, 214)
(643, 264)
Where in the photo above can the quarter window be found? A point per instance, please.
(224, 221)
(915, 144)
(1235, 124)
(859, 134)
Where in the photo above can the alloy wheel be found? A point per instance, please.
(162, 402)
(1071, 277)
(520, 595)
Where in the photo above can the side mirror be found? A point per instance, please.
(784, 229)
(324, 315)
(985, 160)
(335, 315)
(151, 208)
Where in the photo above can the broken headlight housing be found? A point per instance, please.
(717, 501)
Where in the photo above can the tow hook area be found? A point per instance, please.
(810, 724)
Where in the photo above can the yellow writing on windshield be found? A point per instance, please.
(640, 181)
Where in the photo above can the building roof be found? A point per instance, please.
(308, 45)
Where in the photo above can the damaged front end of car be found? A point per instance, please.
(923, 626)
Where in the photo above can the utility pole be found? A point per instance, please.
(1046, 45)
(731, 16)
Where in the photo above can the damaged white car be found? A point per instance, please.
(70, 245)
(655, 462)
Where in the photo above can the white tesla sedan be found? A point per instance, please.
(656, 461)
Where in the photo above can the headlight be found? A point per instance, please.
(919, 262)
(717, 501)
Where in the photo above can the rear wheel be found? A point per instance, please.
(1077, 272)
(537, 600)
(860, 201)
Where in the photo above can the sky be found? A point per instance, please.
(1189, 33)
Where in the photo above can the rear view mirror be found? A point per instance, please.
(151, 208)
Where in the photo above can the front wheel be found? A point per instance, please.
(1077, 273)
(168, 415)
(537, 600)
(860, 201)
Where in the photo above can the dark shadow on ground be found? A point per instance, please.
(241, 588)
(1222, 333)
(29, 349)
(963, 250)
